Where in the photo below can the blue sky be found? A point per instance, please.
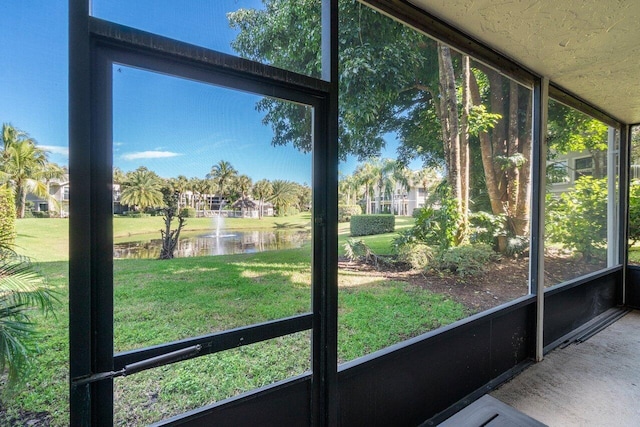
(170, 125)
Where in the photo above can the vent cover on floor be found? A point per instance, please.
(490, 412)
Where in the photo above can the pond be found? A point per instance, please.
(225, 243)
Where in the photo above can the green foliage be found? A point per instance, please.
(365, 225)
(486, 227)
(142, 189)
(577, 219)
(634, 212)
(345, 212)
(7, 215)
(287, 211)
(466, 260)
(358, 250)
(134, 214)
(385, 67)
(188, 212)
(571, 130)
(22, 290)
(436, 227)
(41, 214)
(418, 255)
(24, 167)
(480, 120)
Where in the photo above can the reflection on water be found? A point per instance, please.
(235, 242)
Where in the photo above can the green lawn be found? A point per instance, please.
(158, 301)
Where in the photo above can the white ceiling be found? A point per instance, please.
(589, 47)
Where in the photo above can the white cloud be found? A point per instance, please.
(150, 155)
(55, 149)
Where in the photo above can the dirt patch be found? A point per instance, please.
(503, 281)
(25, 418)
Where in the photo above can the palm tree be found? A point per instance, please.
(243, 184)
(181, 186)
(284, 194)
(203, 188)
(21, 290)
(118, 176)
(52, 171)
(22, 167)
(142, 189)
(366, 177)
(262, 190)
(383, 170)
(222, 174)
(402, 178)
(348, 187)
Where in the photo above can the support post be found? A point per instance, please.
(539, 166)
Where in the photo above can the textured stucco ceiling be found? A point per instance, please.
(589, 47)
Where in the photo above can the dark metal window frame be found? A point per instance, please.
(92, 56)
(87, 210)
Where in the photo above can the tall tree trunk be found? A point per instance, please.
(22, 200)
(491, 147)
(451, 129)
(512, 168)
(464, 145)
(486, 151)
(522, 209)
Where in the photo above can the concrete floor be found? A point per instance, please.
(594, 383)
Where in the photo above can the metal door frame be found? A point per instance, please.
(95, 45)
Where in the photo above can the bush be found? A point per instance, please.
(486, 227)
(578, 218)
(418, 255)
(345, 212)
(188, 212)
(288, 211)
(365, 225)
(133, 214)
(466, 260)
(358, 250)
(435, 227)
(40, 214)
(634, 212)
(7, 216)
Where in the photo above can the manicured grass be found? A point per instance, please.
(634, 255)
(159, 301)
(43, 239)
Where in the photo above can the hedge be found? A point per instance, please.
(7, 216)
(365, 225)
(188, 212)
(345, 212)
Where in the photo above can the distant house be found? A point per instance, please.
(58, 202)
(400, 201)
(248, 208)
(565, 169)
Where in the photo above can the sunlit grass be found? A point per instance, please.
(160, 301)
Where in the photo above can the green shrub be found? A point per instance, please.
(486, 227)
(365, 225)
(134, 214)
(41, 214)
(634, 212)
(188, 212)
(466, 260)
(288, 211)
(7, 215)
(418, 255)
(345, 212)
(434, 227)
(577, 219)
(358, 250)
